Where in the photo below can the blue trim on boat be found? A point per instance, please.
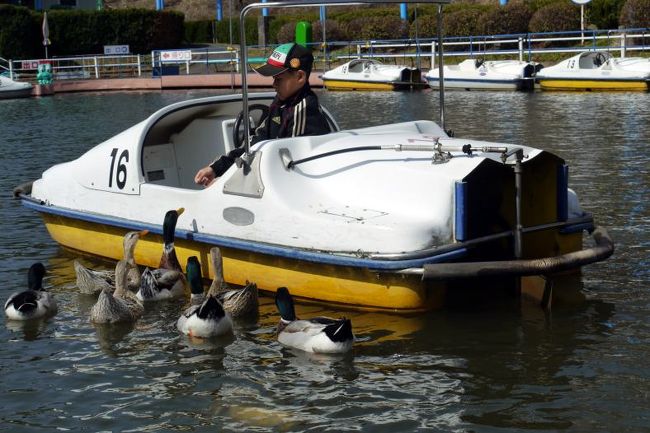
(257, 247)
(469, 80)
(460, 217)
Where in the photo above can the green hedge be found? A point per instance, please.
(555, 17)
(277, 22)
(425, 26)
(604, 13)
(511, 18)
(198, 31)
(464, 22)
(377, 27)
(333, 31)
(223, 31)
(635, 13)
(20, 35)
(75, 32)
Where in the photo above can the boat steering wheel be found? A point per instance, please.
(237, 135)
(600, 59)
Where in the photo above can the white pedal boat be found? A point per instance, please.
(398, 217)
(597, 71)
(368, 74)
(356, 227)
(476, 74)
(10, 89)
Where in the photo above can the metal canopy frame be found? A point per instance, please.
(314, 3)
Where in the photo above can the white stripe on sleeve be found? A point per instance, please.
(299, 118)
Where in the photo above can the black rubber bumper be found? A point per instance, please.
(510, 268)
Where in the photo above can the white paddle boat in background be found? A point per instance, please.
(10, 89)
(477, 74)
(369, 74)
(394, 217)
(592, 70)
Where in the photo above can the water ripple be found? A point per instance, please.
(504, 368)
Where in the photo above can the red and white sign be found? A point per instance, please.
(29, 64)
(175, 56)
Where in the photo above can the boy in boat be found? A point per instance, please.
(294, 111)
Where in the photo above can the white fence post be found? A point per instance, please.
(139, 67)
(433, 54)
(521, 49)
(96, 67)
(623, 44)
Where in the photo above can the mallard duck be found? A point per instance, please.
(168, 281)
(207, 319)
(197, 295)
(240, 302)
(92, 282)
(160, 284)
(318, 335)
(120, 306)
(168, 260)
(33, 303)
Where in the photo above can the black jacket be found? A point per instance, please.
(301, 115)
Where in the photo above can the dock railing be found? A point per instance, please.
(5, 68)
(418, 52)
(422, 52)
(196, 60)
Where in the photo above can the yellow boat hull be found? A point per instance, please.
(366, 85)
(587, 85)
(355, 287)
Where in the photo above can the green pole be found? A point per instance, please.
(303, 33)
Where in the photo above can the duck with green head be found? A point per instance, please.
(168, 260)
(317, 335)
(168, 281)
(33, 303)
(207, 319)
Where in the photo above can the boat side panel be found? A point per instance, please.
(477, 84)
(356, 287)
(576, 84)
(357, 85)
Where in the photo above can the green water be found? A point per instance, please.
(494, 368)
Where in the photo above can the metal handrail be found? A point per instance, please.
(306, 3)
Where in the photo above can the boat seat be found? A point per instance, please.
(588, 62)
(198, 144)
(175, 163)
(357, 67)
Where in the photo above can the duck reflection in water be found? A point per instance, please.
(110, 335)
(30, 329)
(319, 367)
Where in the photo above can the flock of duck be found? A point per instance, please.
(123, 295)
